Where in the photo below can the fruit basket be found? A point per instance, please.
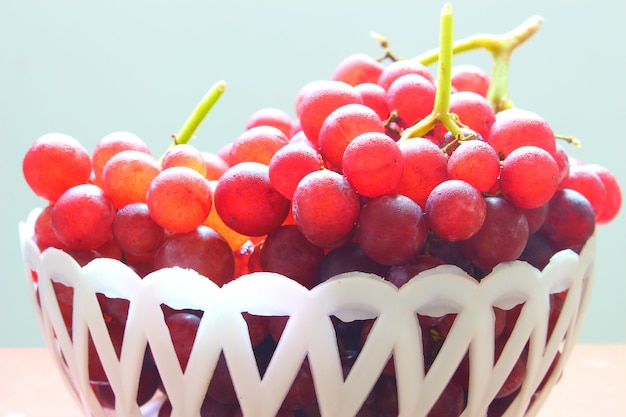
(404, 247)
(350, 297)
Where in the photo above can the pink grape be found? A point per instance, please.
(112, 144)
(399, 68)
(474, 111)
(589, 184)
(257, 144)
(320, 99)
(469, 77)
(270, 116)
(290, 164)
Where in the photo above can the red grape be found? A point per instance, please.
(588, 183)
(391, 229)
(325, 207)
(290, 164)
(412, 96)
(183, 327)
(184, 155)
(173, 186)
(469, 77)
(182, 249)
(247, 202)
(270, 116)
(127, 175)
(318, 100)
(374, 97)
(425, 167)
(402, 67)
(502, 237)
(373, 163)
(474, 111)
(613, 199)
(112, 144)
(342, 126)
(475, 162)
(288, 252)
(82, 217)
(529, 177)
(570, 221)
(135, 231)
(257, 144)
(517, 127)
(54, 163)
(455, 210)
(357, 69)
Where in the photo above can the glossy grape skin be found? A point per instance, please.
(257, 144)
(318, 100)
(183, 328)
(135, 231)
(341, 127)
(502, 237)
(357, 69)
(517, 127)
(391, 229)
(288, 252)
(469, 77)
(373, 164)
(399, 68)
(247, 202)
(425, 167)
(270, 116)
(112, 144)
(217, 261)
(82, 217)
(529, 177)
(412, 96)
(54, 163)
(325, 208)
(589, 184)
(374, 97)
(474, 111)
(184, 155)
(127, 176)
(613, 199)
(570, 221)
(173, 186)
(43, 231)
(455, 210)
(290, 164)
(475, 162)
(347, 258)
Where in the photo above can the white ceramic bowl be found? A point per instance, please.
(310, 333)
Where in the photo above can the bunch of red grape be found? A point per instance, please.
(336, 189)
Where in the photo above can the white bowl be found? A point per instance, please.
(310, 333)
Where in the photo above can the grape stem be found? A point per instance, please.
(199, 113)
(500, 46)
(441, 111)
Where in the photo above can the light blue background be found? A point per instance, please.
(90, 68)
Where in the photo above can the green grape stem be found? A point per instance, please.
(199, 113)
(500, 46)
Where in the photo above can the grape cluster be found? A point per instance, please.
(339, 188)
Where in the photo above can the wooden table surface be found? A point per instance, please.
(593, 384)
